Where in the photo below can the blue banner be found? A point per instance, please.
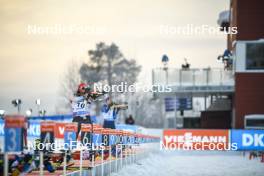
(2, 125)
(129, 128)
(34, 129)
(13, 140)
(248, 139)
(52, 117)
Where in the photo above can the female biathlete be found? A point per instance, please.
(81, 105)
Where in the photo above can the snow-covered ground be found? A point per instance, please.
(194, 163)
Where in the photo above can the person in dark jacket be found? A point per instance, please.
(130, 120)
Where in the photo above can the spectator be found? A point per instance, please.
(186, 66)
(130, 120)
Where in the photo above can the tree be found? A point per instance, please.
(107, 63)
(68, 87)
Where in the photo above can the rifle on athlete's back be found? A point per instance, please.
(123, 106)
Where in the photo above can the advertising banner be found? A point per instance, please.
(59, 130)
(248, 139)
(196, 139)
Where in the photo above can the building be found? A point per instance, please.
(229, 94)
(248, 54)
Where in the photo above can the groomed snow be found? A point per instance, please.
(194, 163)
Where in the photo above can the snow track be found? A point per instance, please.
(194, 163)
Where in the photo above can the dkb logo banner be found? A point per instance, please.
(248, 139)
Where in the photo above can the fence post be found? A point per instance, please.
(6, 164)
(102, 164)
(81, 162)
(41, 162)
(110, 157)
(121, 155)
(65, 163)
(116, 161)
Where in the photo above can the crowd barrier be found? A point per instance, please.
(209, 139)
(103, 150)
(109, 150)
(33, 130)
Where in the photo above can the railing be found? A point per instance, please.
(192, 77)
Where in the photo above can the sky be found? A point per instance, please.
(32, 65)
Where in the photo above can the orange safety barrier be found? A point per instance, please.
(47, 126)
(71, 127)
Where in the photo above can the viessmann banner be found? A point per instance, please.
(214, 139)
(196, 139)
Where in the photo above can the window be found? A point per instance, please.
(255, 123)
(255, 56)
